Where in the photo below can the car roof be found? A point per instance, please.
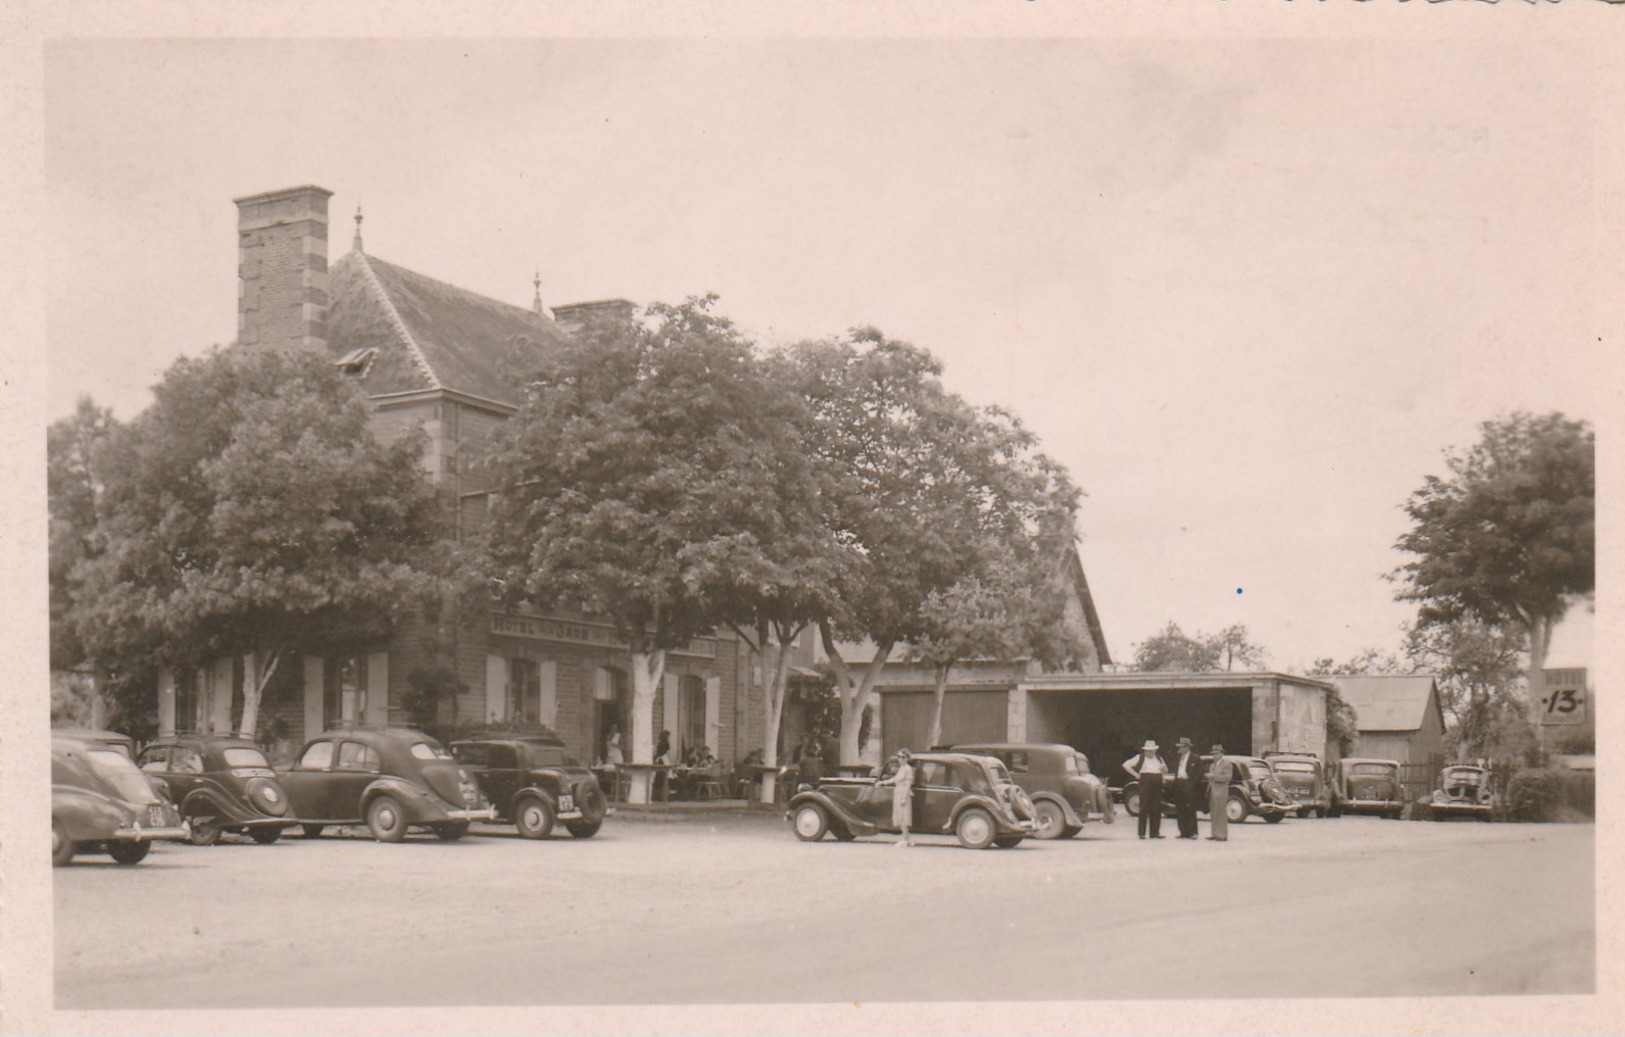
(1368, 759)
(487, 738)
(1015, 746)
(192, 738)
(90, 734)
(362, 734)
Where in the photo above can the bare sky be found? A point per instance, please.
(1247, 291)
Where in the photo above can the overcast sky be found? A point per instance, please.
(1247, 292)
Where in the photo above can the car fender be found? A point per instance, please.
(1001, 816)
(836, 812)
(419, 804)
(1068, 812)
(212, 803)
(86, 816)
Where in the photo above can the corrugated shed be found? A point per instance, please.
(428, 334)
(1391, 703)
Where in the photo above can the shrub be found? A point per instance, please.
(1551, 794)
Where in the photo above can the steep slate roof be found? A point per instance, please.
(1388, 703)
(428, 334)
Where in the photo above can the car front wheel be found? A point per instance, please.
(385, 820)
(975, 829)
(129, 852)
(534, 817)
(61, 846)
(1051, 821)
(811, 823)
(1131, 800)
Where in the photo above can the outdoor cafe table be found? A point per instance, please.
(652, 769)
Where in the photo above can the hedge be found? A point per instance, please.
(1551, 794)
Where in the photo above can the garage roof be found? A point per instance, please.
(1387, 703)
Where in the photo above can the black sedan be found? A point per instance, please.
(221, 784)
(959, 794)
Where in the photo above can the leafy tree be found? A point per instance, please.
(641, 480)
(1014, 612)
(1171, 649)
(1477, 666)
(250, 511)
(1509, 537)
(75, 488)
(921, 483)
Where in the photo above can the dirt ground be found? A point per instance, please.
(732, 908)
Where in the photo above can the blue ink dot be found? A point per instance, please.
(1238, 590)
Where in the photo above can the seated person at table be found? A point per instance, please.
(663, 758)
(745, 774)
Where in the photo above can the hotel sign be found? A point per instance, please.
(1564, 701)
(598, 635)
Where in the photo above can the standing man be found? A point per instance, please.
(1185, 788)
(1218, 795)
(1148, 769)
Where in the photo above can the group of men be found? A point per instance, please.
(1188, 773)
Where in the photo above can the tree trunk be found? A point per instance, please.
(648, 670)
(254, 690)
(936, 714)
(777, 683)
(855, 694)
(1540, 639)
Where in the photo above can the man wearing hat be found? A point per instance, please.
(1147, 768)
(1219, 772)
(1183, 773)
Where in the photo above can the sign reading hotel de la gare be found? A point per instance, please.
(599, 635)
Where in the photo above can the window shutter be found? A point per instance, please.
(671, 708)
(314, 673)
(221, 672)
(549, 678)
(378, 689)
(496, 688)
(713, 714)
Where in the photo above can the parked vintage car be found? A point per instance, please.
(1368, 786)
(533, 782)
(221, 784)
(100, 801)
(390, 778)
(1304, 778)
(1056, 777)
(1463, 791)
(960, 794)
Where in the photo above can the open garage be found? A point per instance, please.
(1108, 716)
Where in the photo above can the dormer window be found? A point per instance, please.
(355, 361)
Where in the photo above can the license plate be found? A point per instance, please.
(567, 803)
(155, 817)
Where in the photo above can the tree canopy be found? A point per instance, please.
(250, 510)
(1509, 536)
(925, 491)
(1171, 649)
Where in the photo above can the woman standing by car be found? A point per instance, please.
(902, 797)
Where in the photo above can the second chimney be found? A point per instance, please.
(282, 268)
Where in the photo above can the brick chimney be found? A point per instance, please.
(577, 315)
(282, 268)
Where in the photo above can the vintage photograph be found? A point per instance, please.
(562, 523)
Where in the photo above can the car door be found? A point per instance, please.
(154, 762)
(306, 782)
(354, 768)
(936, 790)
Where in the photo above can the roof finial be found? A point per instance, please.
(536, 303)
(356, 244)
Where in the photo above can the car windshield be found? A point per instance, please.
(1082, 762)
(1463, 776)
(120, 772)
(429, 751)
(1294, 766)
(243, 756)
(1069, 764)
